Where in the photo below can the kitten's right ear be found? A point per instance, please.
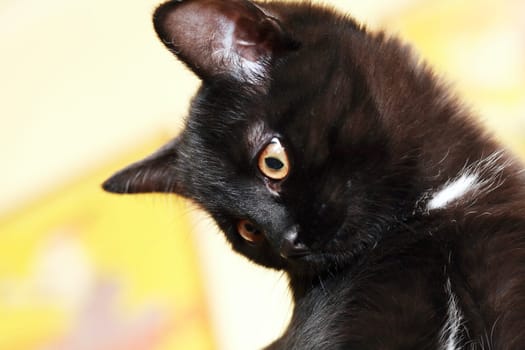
(156, 173)
(215, 37)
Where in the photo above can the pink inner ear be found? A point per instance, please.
(219, 36)
(256, 40)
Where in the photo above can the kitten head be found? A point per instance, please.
(286, 143)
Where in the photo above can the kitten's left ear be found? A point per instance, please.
(156, 173)
(214, 37)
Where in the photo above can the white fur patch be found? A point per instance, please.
(452, 191)
(474, 180)
(450, 336)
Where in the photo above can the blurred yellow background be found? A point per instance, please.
(86, 88)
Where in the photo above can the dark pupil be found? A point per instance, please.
(250, 228)
(273, 163)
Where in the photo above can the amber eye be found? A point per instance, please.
(273, 161)
(249, 232)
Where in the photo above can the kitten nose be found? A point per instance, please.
(291, 247)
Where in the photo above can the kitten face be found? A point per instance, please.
(284, 145)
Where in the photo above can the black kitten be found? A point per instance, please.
(331, 153)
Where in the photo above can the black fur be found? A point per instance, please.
(372, 136)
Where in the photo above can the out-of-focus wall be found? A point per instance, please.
(81, 82)
(84, 82)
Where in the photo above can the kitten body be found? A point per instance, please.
(399, 221)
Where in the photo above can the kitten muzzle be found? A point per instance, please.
(291, 246)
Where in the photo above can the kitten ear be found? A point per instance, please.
(155, 173)
(214, 37)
